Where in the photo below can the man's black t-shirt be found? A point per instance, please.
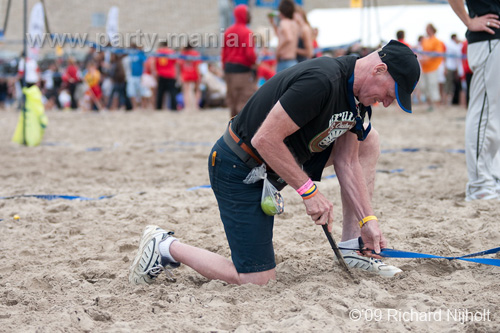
(316, 94)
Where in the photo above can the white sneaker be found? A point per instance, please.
(148, 262)
(484, 194)
(355, 260)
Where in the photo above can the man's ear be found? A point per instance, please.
(380, 68)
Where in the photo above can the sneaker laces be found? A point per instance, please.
(157, 269)
(364, 263)
(154, 271)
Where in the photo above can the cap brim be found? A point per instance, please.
(403, 98)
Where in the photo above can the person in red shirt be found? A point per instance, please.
(238, 58)
(317, 50)
(266, 67)
(400, 35)
(72, 78)
(190, 77)
(166, 72)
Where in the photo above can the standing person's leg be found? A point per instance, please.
(126, 98)
(160, 93)
(132, 92)
(468, 79)
(482, 126)
(457, 89)
(231, 95)
(72, 91)
(246, 86)
(121, 95)
(137, 91)
(496, 171)
(172, 92)
(433, 91)
(424, 87)
(186, 93)
(197, 94)
(111, 96)
(56, 98)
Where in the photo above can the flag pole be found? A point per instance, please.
(25, 53)
(6, 17)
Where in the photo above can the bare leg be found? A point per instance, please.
(215, 267)
(197, 95)
(186, 94)
(369, 151)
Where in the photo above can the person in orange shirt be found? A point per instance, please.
(430, 64)
(93, 79)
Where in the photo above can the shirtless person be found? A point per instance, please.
(288, 35)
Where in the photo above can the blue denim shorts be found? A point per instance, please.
(248, 230)
(284, 64)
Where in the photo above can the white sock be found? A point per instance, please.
(164, 248)
(350, 244)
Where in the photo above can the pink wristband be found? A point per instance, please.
(303, 189)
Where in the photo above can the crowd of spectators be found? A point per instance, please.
(445, 80)
(180, 79)
(130, 79)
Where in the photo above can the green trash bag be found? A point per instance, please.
(31, 133)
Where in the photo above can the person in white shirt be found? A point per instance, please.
(453, 70)
(32, 75)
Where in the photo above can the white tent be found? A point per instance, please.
(373, 25)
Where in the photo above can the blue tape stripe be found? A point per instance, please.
(57, 196)
(414, 150)
(482, 253)
(391, 253)
(485, 261)
(198, 187)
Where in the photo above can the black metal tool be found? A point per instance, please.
(336, 250)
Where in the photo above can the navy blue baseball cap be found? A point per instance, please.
(404, 68)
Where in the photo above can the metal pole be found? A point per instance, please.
(378, 23)
(45, 16)
(25, 52)
(6, 17)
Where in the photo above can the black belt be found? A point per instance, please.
(241, 149)
(245, 153)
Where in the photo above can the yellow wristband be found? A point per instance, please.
(366, 219)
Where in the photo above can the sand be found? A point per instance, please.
(64, 263)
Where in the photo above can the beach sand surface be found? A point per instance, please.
(64, 263)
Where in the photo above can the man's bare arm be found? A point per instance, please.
(269, 142)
